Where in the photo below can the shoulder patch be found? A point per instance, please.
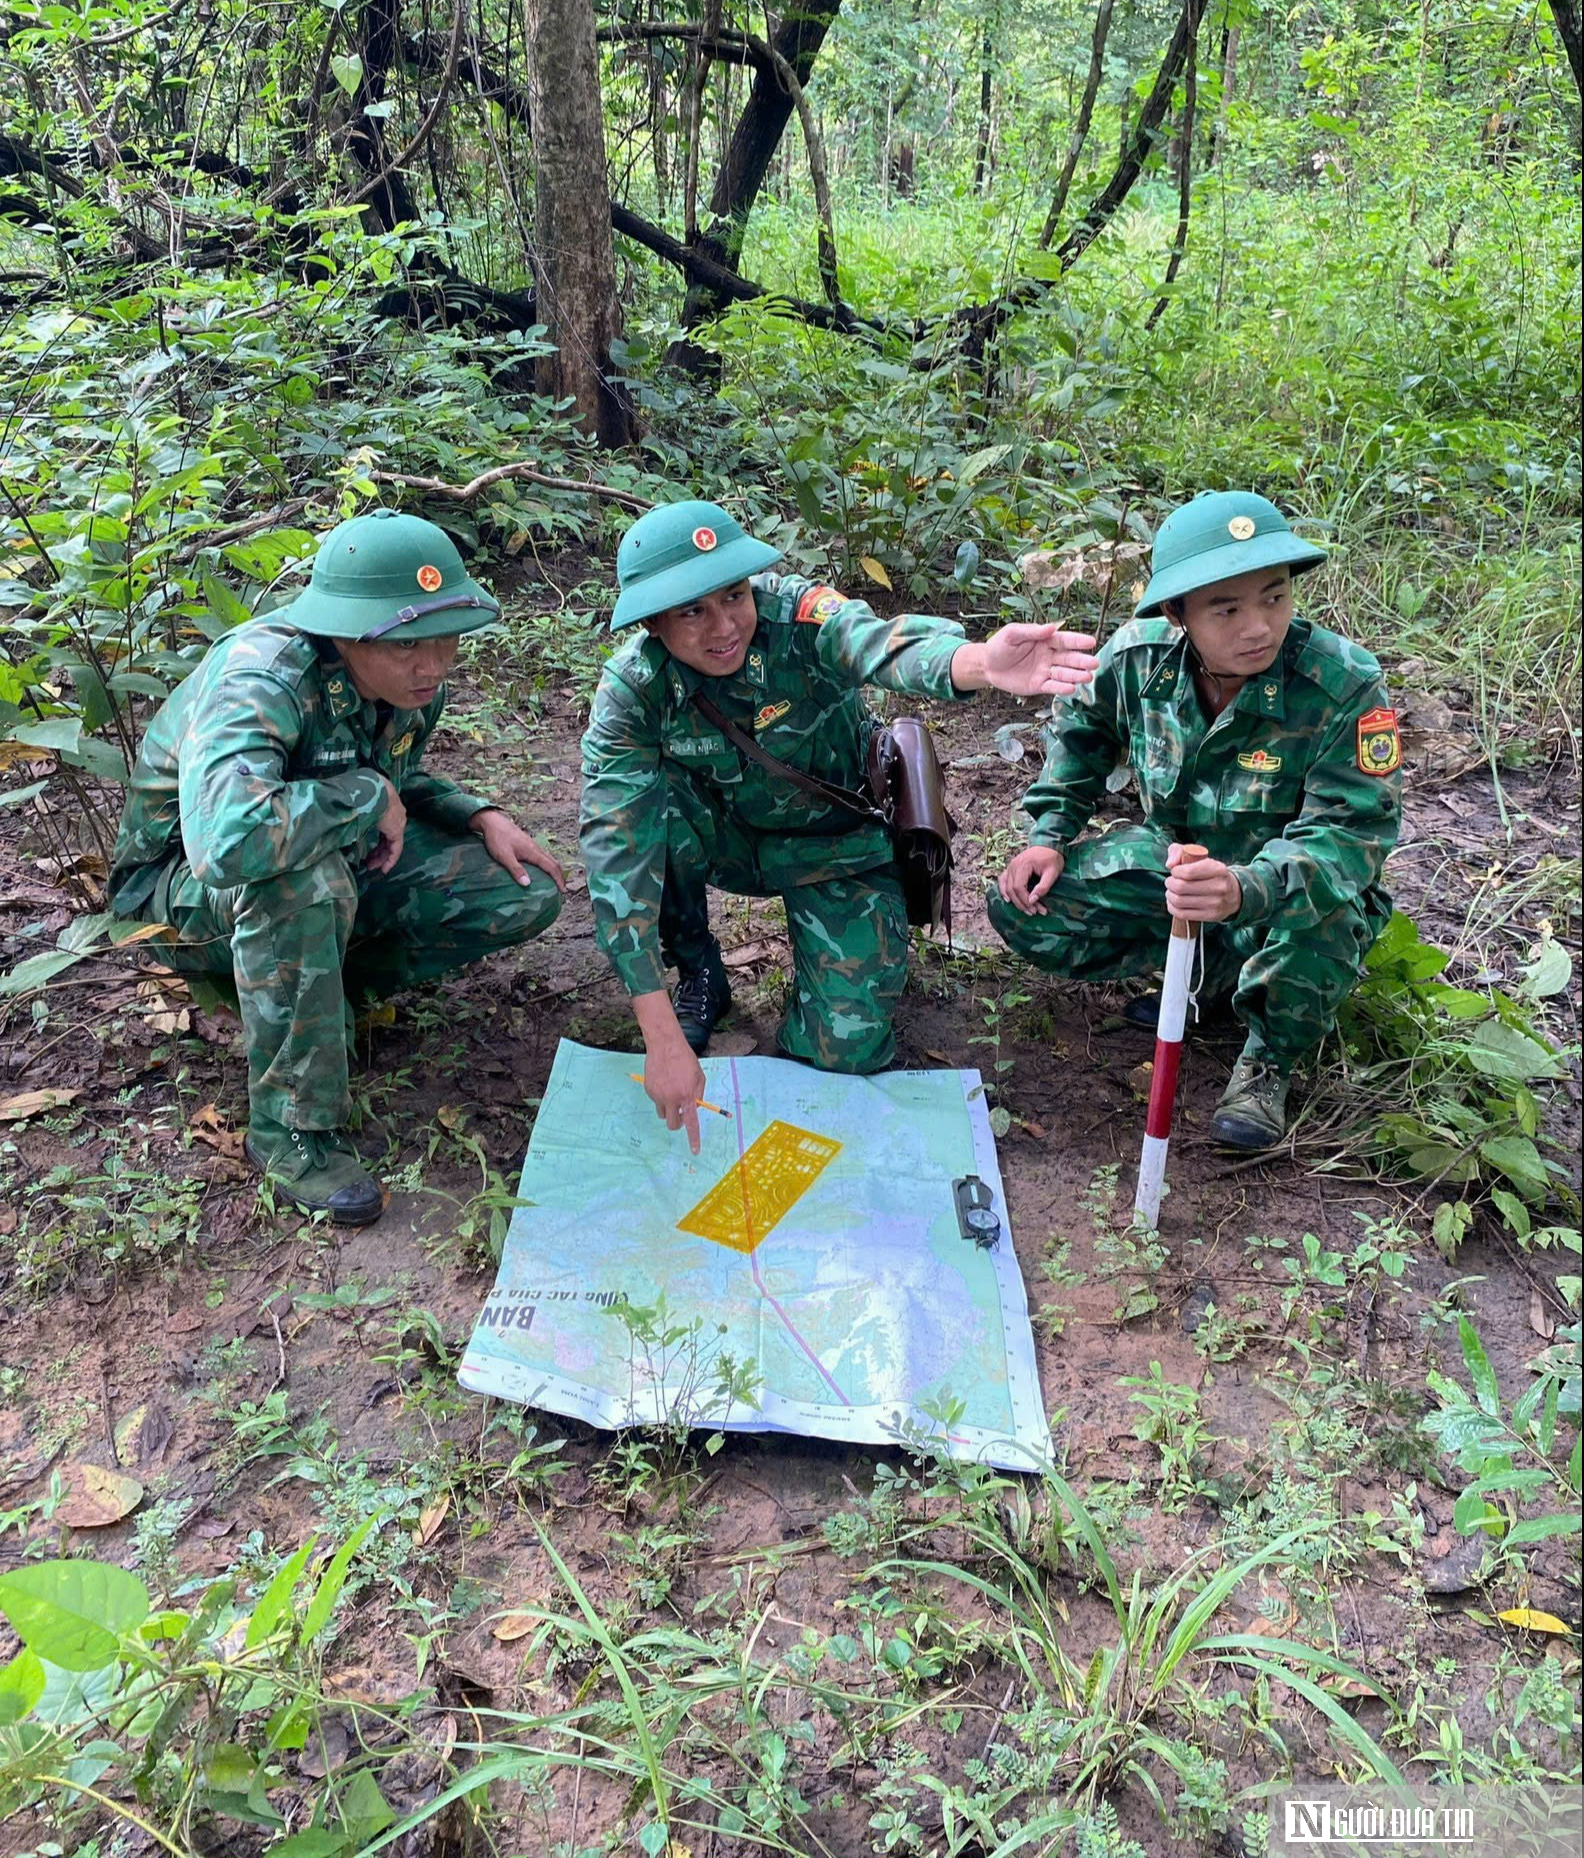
(1379, 744)
(818, 605)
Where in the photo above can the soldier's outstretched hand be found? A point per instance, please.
(512, 848)
(1039, 661)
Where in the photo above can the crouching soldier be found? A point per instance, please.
(1264, 737)
(279, 822)
(670, 806)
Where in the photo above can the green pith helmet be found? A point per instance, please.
(389, 576)
(679, 552)
(1219, 535)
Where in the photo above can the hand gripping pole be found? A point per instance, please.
(1180, 951)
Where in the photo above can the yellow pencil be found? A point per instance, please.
(702, 1104)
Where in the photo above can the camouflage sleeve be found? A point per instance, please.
(242, 820)
(431, 797)
(1336, 848)
(622, 833)
(911, 653)
(1083, 744)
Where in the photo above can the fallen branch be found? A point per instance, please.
(465, 493)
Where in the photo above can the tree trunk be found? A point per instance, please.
(1080, 134)
(753, 145)
(1566, 15)
(1185, 143)
(574, 268)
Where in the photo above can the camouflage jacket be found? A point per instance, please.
(798, 693)
(1296, 784)
(263, 761)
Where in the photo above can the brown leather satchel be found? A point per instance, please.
(907, 795)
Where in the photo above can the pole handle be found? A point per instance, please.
(1189, 854)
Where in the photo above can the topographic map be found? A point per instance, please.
(806, 1272)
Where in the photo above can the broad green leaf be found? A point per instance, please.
(347, 70)
(1481, 1373)
(1518, 1158)
(223, 603)
(363, 1808)
(1499, 1050)
(1513, 1212)
(276, 1597)
(38, 969)
(1540, 1528)
(334, 1579)
(1549, 971)
(57, 734)
(21, 1686)
(21, 795)
(314, 1843)
(73, 1612)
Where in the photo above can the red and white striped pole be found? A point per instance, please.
(1168, 1055)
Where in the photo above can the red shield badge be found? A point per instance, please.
(1379, 745)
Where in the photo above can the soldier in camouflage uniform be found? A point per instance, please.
(279, 822)
(669, 806)
(1267, 739)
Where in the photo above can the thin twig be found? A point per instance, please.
(465, 493)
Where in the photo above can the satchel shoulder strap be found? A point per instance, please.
(810, 784)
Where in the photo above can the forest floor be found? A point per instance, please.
(262, 1377)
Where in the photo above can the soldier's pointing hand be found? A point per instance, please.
(1038, 661)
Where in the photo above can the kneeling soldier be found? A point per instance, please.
(670, 806)
(1266, 738)
(279, 822)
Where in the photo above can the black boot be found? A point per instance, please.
(702, 1000)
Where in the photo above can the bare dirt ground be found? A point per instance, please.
(138, 1337)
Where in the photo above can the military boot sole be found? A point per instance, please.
(1234, 1131)
(347, 1206)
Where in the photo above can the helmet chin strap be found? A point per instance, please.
(420, 609)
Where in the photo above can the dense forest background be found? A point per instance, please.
(897, 277)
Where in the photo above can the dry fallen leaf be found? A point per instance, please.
(429, 1523)
(1540, 1318)
(450, 1117)
(746, 952)
(515, 1626)
(1531, 1620)
(208, 1126)
(98, 1497)
(28, 1103)
(180, 1021)
(1142, 1077)
(874, 569)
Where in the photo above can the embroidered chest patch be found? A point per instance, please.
(1258, 761)
(771, 713)
(401, 746)
(818, 604)
(1379, 745)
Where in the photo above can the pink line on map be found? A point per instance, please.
(753, 1256)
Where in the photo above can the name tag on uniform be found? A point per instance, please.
(697, 745)
(334, 757)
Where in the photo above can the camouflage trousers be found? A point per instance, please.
(303, 945)
(1106, 919)
(849, 936)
